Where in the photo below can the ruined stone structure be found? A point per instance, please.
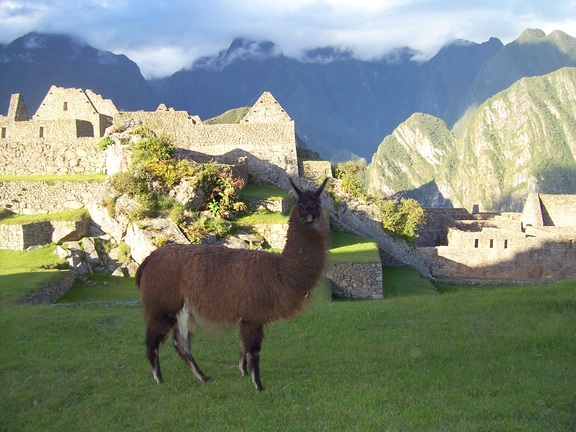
(33, 197)
(537, 244)
(265, 138)
(62, 136)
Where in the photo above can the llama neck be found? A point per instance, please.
(304, 256)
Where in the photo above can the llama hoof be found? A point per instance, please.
(157, 377)
(205, 378)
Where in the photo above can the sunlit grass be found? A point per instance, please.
(23, 272)
(21, 219)
(261, 218)
(267, 192)
(467, 361)
(346, 247)
(400, 281)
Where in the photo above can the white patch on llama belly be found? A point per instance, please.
(213, 327)
(185, 322)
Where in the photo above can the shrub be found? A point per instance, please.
(158, 148)
(200, 227)
(402, 217)
(124, 253)
(352, 175)
(105, 142)
(169, 172)
(160, 241)
(222, 189)
(110, 204)
(129, 183)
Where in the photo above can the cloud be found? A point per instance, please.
(164, 36)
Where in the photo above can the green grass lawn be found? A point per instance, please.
(499, 359)
(23, 272)
(346, 247)
(268, 192)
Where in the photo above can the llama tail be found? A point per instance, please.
(140, 271)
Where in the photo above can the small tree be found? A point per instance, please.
(352, 174)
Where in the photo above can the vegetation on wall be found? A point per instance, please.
(353, 176)
(399, 216)
(155, 171)
(402, 217)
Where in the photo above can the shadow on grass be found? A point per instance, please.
(16, 286)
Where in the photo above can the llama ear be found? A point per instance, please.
(321, 188)
(298, 191)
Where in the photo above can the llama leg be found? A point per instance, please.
(182, 332)
(251, 336)
(242, 364)
(153, 340)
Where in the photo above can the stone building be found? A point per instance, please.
(265, 138)
(62, 136)
(537, 244)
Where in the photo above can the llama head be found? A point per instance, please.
(309, 206)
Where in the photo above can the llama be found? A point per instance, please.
(217, 287)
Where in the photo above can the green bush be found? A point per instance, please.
(352, 174)
(402, 217)
(105, 142)
(201, 226)
(222, 190)
(124, 253)
(129, 183)
(158, 148)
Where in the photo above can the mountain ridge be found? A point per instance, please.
(343, 107)
(521, 140)
(34, 62)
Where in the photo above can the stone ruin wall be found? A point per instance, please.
(356, 280)
(269, 148)
(33, 197)
(537, 259)
(42, 156)
(504, 251)
(62, 137)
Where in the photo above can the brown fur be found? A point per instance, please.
(224, 287)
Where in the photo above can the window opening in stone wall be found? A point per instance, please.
(65, 107)
(491, 243)
(3, 132)
(505, 244)
(41, 133)
(476, 243)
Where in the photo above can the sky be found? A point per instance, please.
(164, 36)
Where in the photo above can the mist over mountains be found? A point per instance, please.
(343, 107)
(30, 65)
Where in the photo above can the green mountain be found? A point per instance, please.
(522, 139)
(533, 53)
